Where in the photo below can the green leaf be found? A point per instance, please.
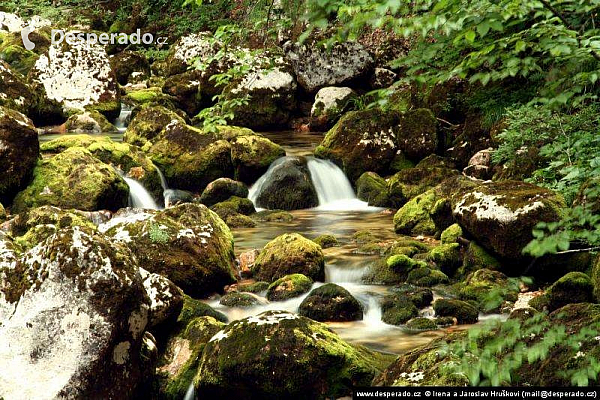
(520, 46)
(470, 36)
(483, 28)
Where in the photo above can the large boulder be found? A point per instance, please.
(464, 312)
(148, 123)
(73, 311)
(287, 185)
(252, 357)
(19, 152)
(89, 122)
(127, 63)
(330, 103)
(331, 302)
(272, 99)
(372, 139)
(251, 153)
(127, 158)
(290, 254)
(190, 158)
(185, 89)
(78, 76)
(316, 67)
(289, 286)
(574, 287)
(222, 189)
(188, 243)
(501, 215)
(372, 188)
(15, 93)
(74, 179)
(189, 48)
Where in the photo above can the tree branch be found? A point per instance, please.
(566, 23)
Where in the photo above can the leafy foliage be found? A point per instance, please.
(491, 355)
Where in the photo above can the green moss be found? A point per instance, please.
(392, 271)
(239, 221)
(451, 234)
(421, 324)
(420, 297)
(364, 236)
(123, 156)
(574, 287)
(74, 179)
(415, 216)
(256, 287)
(488, 288)
(412, 182)
(251, 154)
(372, 188)
(595, 275)
(144, 96)
(193, 308)
(476, 257)
(234, 205)
(464, 312)
(397, 310)
(289, 286)
(148, 123)
(447, 257)
(326, 241)
(19, 59)
(273, 216)
(237, 299)
(258, 358)
(424, 276)
(289, 254)
(2, 213)
(331, 302)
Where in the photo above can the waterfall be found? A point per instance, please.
(139, 196)
(334, 191)
(340, 275)
(123, 119)
(163, 180)
(190, 393)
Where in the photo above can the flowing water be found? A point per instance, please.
(122, 120)
(139, 196)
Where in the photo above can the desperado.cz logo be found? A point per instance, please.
(91, 38)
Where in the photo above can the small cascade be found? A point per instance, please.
(344, 275)
(163, 180)
(122, 120)
(139, 196)
(372, 314)
(190, 394)
(334, 191)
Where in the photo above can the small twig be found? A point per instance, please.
(586, 250)
(446, 122)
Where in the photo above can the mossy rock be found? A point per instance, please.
(392, 271)
(193, 308)
(127, 63)
(190, 158)
(464, 312)
(420, 297)
(251, 154)
(237, 299)
(2, 213)
(273, 216)
(488, 288)
(375, 136)
(148, 123)
(326, 241)
(18, 154)
(364, 236)
(425, 276)
(74, 179)
(331, 302)
(372, 188)
(451, 234)
(256, 287)
(16, 93)
(361, 141)
(91, 122)
(123, 156)
(32, 227)
(288, 287)
(574, 287)
(14, 53)
(443, 322)
(421, 324)
(501, 215)
(415, 217)
(186, 90)
(446, 257)
(397, 310)
(188, 243)
(406, 246)
(409, 183)
(178, 362)
(595, 275)
(540, 303)
(150, 96)
(277, 354)
(425, 365)
(289, 186)
(222, 189)
(237, 220)
(475, 258)
(290, 254)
